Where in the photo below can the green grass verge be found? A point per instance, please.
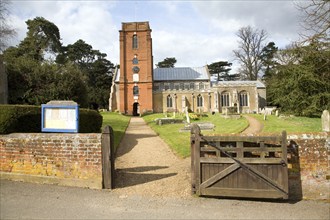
(179, 142)
(274, 124)
(118, 123)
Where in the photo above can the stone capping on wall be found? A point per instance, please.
(59, 158)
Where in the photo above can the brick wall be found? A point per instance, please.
(309, 160)
(65, 159)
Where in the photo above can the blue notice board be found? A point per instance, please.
(59, 118)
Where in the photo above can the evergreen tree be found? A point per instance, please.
(268, 59)
(96, 68)
(301, 85)
(168, 62)
(220, 69)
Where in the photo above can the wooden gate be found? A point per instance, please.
(108, 158)
(239, 166)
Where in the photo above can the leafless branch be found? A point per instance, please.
(316, 19)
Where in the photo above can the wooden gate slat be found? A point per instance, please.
(220, 175)
(239, 166)
(257, 173)
(246, 193)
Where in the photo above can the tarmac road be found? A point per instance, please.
(36, 201)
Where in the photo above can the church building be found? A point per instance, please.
(138, 88)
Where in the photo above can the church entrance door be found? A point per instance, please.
(136, 111)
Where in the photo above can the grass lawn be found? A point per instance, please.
(275, 124)
(118, 123)
(180, 141)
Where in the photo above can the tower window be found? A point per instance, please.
(135, 42)
(135, 90)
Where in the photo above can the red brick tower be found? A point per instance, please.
(136, 66)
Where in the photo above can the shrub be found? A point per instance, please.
(27, 119)
(90, 121)
(193, 116)
(20, 118)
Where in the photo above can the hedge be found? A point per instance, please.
(27, 119)
(90, 121)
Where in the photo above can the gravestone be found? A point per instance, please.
(276, 113)
(208, 126)
(325, 118)
(187, 115)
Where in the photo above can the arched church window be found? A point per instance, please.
(199, 101)
(182, 86)
(192, 86)
(243, 99)
(169, 102)
(171, 86)
(225, 99)
(201, 85)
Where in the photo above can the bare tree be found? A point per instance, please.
(251, 43)
(6, 32)
(316, 19)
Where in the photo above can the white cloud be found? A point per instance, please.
(279, 18)
(195, 33)
(191, 49)
(76, 20)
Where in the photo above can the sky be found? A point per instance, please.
(195, 32)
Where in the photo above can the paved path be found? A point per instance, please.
(254, 126)
(145, 165)
(36, 201)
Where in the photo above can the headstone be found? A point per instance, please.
(187, 115)
(276, 113)
(325, 118)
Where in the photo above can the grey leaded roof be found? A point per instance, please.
(181, 73)
(256, 83)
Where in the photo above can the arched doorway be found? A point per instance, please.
(136, 111)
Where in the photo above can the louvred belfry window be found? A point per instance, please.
(135, 41)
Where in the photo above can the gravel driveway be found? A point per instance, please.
(145, 165)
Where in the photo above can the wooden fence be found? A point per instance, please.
(239, 166)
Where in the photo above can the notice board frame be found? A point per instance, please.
(45, 107)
